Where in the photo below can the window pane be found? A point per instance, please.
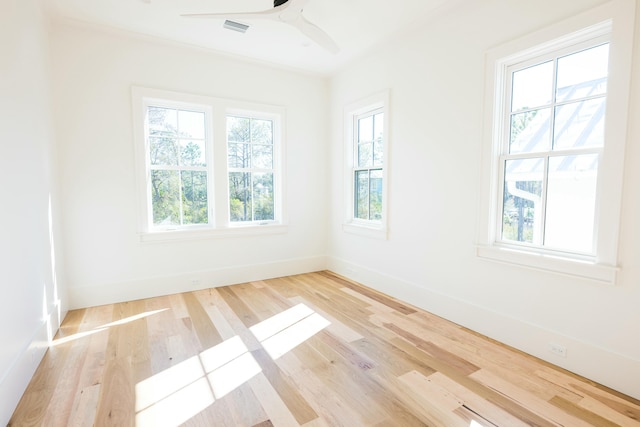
(522, 210)
(378, 126)
(375, 195)
(240, 196)
(362, 195)
(163, 151)
(263, 197)
(583, 74)
(262, 156)
(365, 157)
(365, 129)
(532, 87)
(571, 198)
(238, 129)
(530, 131)
(378, 141)
(238, 155)
(192, 153)
(162, 121)
(191, 124)
(194, 197)
(580, 124)
(165, 189)
(261, 131)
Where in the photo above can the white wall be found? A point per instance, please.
(93, 73)
(436, 75)
(31, 287)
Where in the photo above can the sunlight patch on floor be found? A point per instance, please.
(180, 392)
(133, 318)
(77, 336)
(229, 365)
(285, 331)
(178, 407)
(102, 328)
(274, 324)
(176, 394)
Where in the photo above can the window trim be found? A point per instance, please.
(615, 18)
(378, 102)
(216, 154)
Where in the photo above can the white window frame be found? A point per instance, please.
(614, 20)
(276, 169)
(216, 111)
(378, 103)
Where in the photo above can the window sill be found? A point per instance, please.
(365, 230)
(600, 273)
(212, 233)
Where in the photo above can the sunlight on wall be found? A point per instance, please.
(177, 394)
(54, 276)
(46, 316)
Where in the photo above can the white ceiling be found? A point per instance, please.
(356, 25)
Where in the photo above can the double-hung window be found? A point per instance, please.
(177, 161)
(206, 166)
(556, 118)
(368, 165)
(252, 173)
(367, 147)
(552, 145)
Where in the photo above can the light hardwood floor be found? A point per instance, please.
(309, 350)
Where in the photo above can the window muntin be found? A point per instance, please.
(368, 165)
(250, 148)
(176, 141)
(555, 135)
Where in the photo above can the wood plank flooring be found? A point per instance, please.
(309, 350)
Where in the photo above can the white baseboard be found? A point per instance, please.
(110, 293)
(613, 370)
(14, 381)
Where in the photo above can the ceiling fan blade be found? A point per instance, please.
(316, 34)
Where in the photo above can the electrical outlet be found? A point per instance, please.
(558, 349)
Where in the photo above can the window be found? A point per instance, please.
(555, 140)
(182, 195)
(367, 147)
(368, 166)
(179, 178)
(554, 136)
(251, 169)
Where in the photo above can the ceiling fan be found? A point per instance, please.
(287, 11)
